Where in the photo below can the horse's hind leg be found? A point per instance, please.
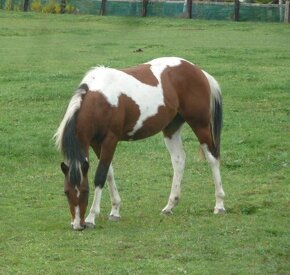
(205, 139)
(174, 145)
(215, 167)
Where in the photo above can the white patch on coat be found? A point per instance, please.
(158, 65)
(112, 83)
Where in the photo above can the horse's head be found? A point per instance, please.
(76, 188)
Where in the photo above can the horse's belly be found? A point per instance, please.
(152, 125)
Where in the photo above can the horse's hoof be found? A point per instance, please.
(219, 211)
(90, 225)
(78, 227)
(114, 218)
(167, 212)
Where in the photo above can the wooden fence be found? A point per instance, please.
(189, 8)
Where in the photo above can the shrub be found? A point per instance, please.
(58, 8)
(36, 6)
(10, 5)
(70, 9)
(50, 7)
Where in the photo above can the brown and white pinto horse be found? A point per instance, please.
(124, 105)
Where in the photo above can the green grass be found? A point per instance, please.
(43, 58)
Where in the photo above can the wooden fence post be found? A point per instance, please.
(145, 8)
(237, 10)
(287, 12)
(189, 9)
(103, 7)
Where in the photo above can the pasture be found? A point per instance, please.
(44, 57)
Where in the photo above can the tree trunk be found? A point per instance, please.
(25, 5)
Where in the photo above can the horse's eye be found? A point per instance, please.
(66, 193)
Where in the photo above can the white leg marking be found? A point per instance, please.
(77, 220)
(175, 148)
(95, 208)
(215, 167)
(114, 194)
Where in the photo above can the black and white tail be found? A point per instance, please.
(73, 107)
(216, 114)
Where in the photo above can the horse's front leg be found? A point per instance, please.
(95, 208)
(115, 197)
(107, 150)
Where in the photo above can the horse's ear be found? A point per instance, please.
(64, 168)
(85, 168)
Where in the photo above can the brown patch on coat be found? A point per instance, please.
(143, 74)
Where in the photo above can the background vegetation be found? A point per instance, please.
(43, 58)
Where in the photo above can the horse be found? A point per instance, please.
(112, 105)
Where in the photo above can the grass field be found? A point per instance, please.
(43, 58)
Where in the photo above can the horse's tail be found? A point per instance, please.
(73, 107)
(216, 107)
